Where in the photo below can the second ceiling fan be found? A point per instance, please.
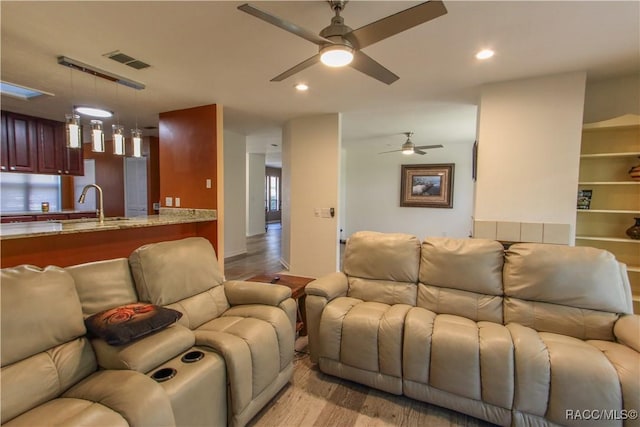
(339, 45)
(410, 148)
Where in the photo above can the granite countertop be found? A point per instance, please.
(46, 228)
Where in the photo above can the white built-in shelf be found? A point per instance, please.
(608, 239)
(609, 183)
(612, 211)
(605, 155)
(622, 122)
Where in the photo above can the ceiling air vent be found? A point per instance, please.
(127, 60)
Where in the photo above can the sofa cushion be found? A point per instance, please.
(167, 272)
(462, 277)
(120, 325)
(69, 412)
(382, 267)
(103, 284)
(43, 302)
(581, 277)
(382, 256)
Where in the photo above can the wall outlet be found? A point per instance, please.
(168, 201)
(208, 183)
(177, 202)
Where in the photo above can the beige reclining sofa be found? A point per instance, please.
(228, 354)
(534, 335)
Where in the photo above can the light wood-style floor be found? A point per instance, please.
(315, 399)
(262, 257)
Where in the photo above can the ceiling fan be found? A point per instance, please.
(410, 148)
(339, 45)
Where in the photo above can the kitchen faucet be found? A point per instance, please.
(100, 202)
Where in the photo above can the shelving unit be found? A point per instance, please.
(609, 149)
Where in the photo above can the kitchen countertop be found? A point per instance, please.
(71, 226)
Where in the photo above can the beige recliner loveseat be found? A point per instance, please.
(534, 335)
(229, 353)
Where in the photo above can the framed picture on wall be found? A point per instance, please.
(427, 186)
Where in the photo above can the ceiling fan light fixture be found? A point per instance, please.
(336, 55)
(485, 54)
(408, 148)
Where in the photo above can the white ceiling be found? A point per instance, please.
(205, 52)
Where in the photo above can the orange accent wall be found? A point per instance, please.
(110, 177)
(188, 156)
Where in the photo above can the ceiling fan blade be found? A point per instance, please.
(285, 25)
(426, 147)
(297, 68)
(365, 64)
(416, 151)
(394, 24)
(392, 151)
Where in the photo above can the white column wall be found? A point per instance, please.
(235, 189)
(311, 173)
(255, 194)
(528, 150)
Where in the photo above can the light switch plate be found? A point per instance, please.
(168, 201)
(177, 202)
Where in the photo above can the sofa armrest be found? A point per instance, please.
(627, 331)
(138, 398)
(330, 286)
(147, 353)
(319, 293)
(241, 292)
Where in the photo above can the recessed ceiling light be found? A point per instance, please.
(22, 92)
(302, 87)
(485, 54)
(93, 111)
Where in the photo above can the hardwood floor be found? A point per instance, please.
(315, 399)
(262, 257)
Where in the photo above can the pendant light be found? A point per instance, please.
(72, 122)
(97, 136)
(118, 140)
(74, 136)
(136, 137)
(136, 134)
(118, 133)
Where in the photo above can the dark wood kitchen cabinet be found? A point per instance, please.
(4, 156)
(21, 143)
(35, 145)
(50, 147)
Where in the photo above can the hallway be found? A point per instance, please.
(262, 257)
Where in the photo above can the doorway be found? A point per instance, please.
(272, 196)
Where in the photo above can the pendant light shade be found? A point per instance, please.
(118, 140)
(74, 137)
(136, 136)
(97, 136)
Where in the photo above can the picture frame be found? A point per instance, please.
(427, 186)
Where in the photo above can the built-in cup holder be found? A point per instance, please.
(192, 356)
(164, 374)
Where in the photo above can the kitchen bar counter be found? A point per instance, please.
(46, 228)
(71, 242)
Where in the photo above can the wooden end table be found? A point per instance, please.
(296, 284)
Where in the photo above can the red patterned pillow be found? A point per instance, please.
(120, 325)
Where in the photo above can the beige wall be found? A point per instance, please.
(311, 171)
(528, 150)
(255, 194)
(235, 188)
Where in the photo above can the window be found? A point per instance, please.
(26, 192)
(273, 193)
